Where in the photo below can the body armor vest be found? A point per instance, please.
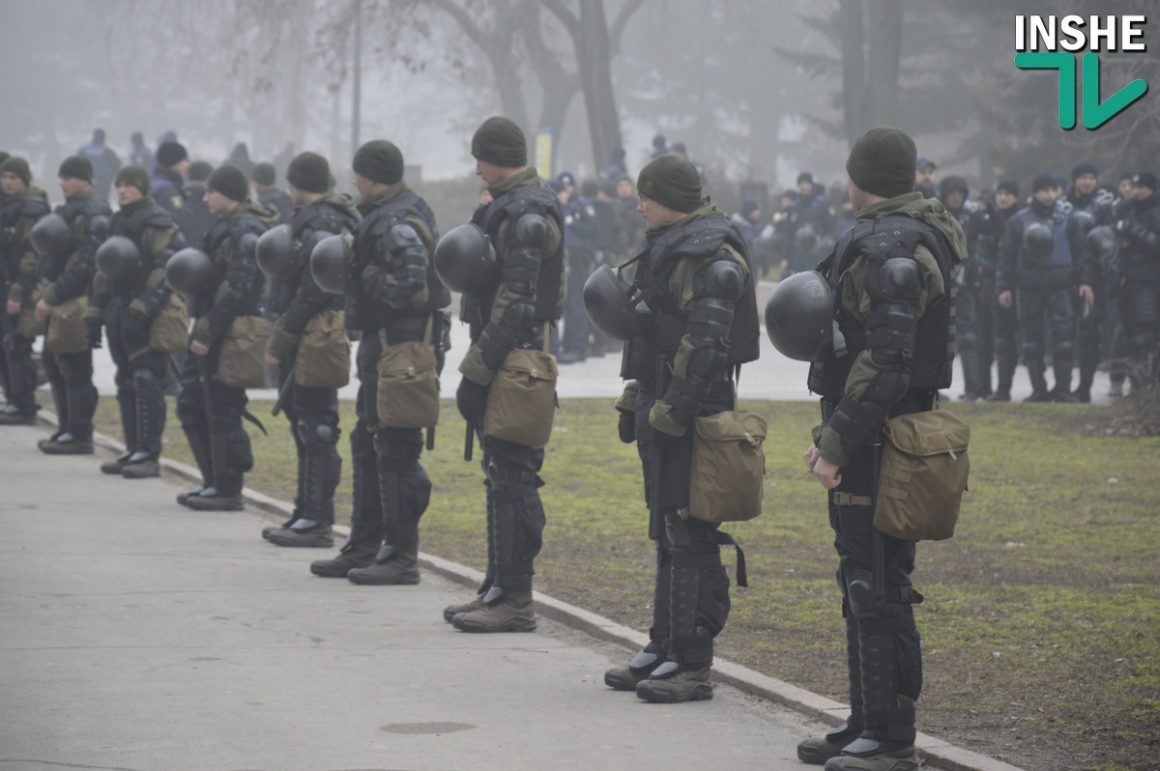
(89, 208)
(1055, 269)
(230, 231)
(133, 227)
(668, 325)
(11, 213)
(318, 217)
(368, 314)
(934, 339)
(509, 207)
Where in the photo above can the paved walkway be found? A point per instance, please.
(135, 634)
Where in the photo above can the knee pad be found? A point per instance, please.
(146, 383)
(511, 480)
(399, 447)
(361, 444)
(312, 431)
(239, 455)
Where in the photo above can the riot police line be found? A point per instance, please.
(877, 321)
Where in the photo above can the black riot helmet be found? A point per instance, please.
(190, 271)
(1102, 241)
(328, 260)
(51, 236)
(1038, 240)
(806, 238)
(276, 254)
(609, 303)
(464, 258)
(1085, 218)
(118, 257)
(799, 317)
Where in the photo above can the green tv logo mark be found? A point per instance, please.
(1095, 112)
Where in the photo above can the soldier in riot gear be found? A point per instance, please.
(129, 294)
(954, 194)
(694, 277)
(1091, 207)
(514, 306)
(394, 299)
(68, 271)
(997, 325)
(18, 263)
(210, 410)
(296, 301)
(1043, 257)
(893, 287)
(166, 185)
(269, 194)
(1139, 288)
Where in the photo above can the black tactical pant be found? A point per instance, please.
(21, 391)
(313, 417)
(215, 433)
(1140, 316)
(691, 593)
(1048, 314)
(1005, 325)
(984, 303)
(6, 323)
(70, 377)
(967, 342)
(576, 326)
(140, 381)
(884, 654)
(391, 488)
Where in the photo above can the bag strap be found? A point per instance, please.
(547, 334)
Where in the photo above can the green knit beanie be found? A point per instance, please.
(309, 172)
(134, 176)
(672, 182)
(501, 142)
(379, 161)
(76, 167)
(230, 181)
(882, 162)
(18, 166)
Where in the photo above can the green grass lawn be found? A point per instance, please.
(1042, 616)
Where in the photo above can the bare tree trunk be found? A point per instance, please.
(853, 68)
(884, 27)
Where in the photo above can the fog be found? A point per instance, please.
(757, 91)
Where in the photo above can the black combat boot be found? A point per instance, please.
(818, 751)
(639, 668)
(392, 567)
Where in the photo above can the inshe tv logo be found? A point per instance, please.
(1054, 43)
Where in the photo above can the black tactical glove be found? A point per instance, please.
(471, 399)
(626, 426)
(93, 332)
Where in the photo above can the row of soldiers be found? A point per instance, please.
(688, 320)
(338, 270)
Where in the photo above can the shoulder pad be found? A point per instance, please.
(724, 279)
(403, 236)
(247, 244)
(531, 230)
(897, 278)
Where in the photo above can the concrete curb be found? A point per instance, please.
(932, 749)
